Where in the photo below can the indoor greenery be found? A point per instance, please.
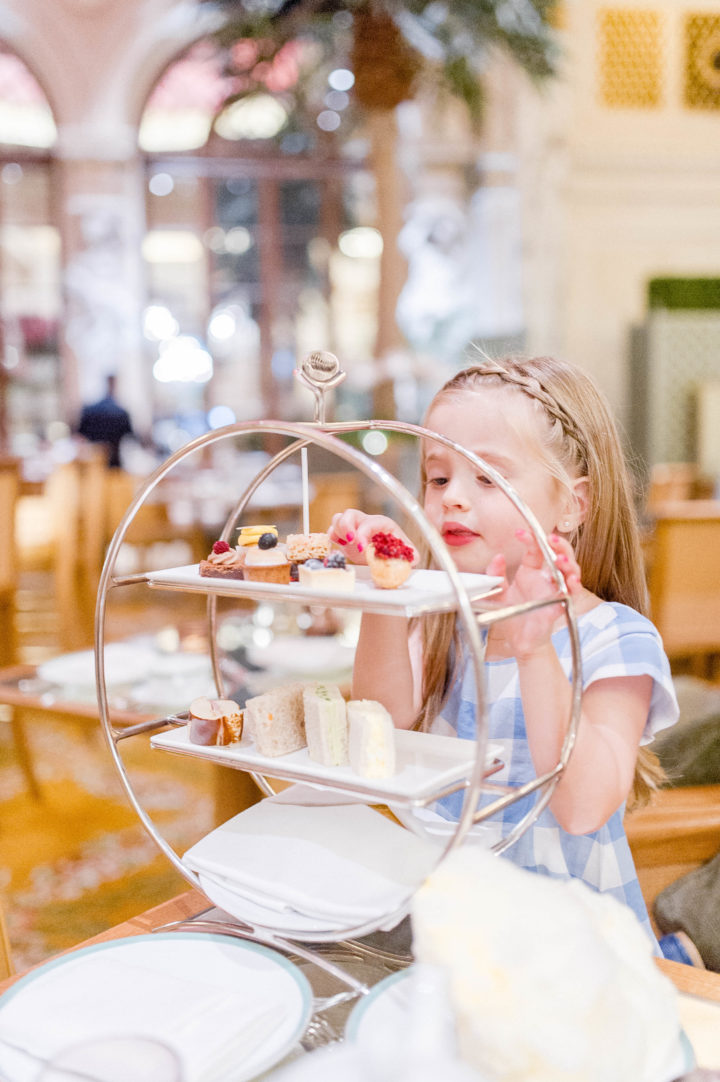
(392, 45)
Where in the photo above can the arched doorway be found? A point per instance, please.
(260, 243)
(30, 293)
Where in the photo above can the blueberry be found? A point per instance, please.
(314, 565)
(267, 541)
(335, 559)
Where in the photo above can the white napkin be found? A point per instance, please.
(342, 861)
(280, 918)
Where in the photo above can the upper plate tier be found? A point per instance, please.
(424, 591)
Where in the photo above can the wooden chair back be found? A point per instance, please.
(671, 481)
(6, 966)
(9, 490)
(92, 514)
(684, 577)
(48, 532)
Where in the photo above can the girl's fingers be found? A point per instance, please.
(496, 566)
(353, 530)
(533, 556)
(562, 550)
(344, 525)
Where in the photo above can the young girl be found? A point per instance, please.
(545, 427)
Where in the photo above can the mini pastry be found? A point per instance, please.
(275, 720)
(250, 535)
(371, 739)
(223, 562)
(215, 721)
(389, 560)
(307, 546)
(332, 573)
(267, 562)
(326, 726)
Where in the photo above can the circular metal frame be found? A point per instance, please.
(326, 436)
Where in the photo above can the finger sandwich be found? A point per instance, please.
(275, 720)
(326, 726)
(371, 739)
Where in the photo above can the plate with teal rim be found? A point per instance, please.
(387, 1006)
(231, 1009)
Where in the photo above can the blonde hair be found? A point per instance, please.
(577, 437)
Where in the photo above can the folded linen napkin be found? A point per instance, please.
(340, 861)
(245, 907)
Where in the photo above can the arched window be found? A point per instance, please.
(260, 244)
(30, 294)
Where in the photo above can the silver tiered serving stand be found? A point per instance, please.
(320, 372)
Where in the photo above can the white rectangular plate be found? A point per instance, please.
(426, 764)
(424, 591)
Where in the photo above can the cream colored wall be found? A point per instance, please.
(610, 198)
(614, 197)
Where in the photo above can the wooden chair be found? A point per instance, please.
(671, 481)
(673, 835)
(684, 579)
(92, 517)
(6, 966)
(61, 532)
(9, 489)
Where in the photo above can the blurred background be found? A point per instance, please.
(193, 194)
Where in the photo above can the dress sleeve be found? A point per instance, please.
(622, 642)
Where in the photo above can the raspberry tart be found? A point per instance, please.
(390, 560)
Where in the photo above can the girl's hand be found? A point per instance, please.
(523, 635)
(353, 530)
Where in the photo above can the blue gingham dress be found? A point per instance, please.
(615, 641)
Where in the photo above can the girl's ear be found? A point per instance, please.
(575, 512)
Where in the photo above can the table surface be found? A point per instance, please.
(53, 701)
(687, 979)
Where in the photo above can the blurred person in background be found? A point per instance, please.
(107, 422)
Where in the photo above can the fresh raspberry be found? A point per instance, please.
(389, 547)
(220, 546)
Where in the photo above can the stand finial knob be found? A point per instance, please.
(320, 371)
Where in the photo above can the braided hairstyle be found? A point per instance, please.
(576, 437)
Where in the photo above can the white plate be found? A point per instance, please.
(387, 1007)
(174, 693)
(424, 591)
(426, 763)
(194, 991)
(304, 655)
(125, 663)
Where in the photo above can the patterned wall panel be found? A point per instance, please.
(702, 61)
(683, 351)
(631, 59)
